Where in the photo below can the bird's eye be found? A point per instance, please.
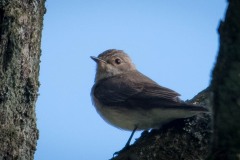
(118, 61)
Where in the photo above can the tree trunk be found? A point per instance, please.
(226, 88)
(20, 30)
(190, 139)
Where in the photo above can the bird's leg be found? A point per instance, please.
(130, 138)
(126, 147)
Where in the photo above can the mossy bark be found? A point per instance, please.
(20, 36)
(226, 87)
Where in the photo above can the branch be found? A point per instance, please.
(226, 87)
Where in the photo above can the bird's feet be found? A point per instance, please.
(127, 147)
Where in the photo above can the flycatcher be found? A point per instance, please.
(129, 100)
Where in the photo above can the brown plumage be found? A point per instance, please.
(127, 99)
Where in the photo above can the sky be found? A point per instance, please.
(175, 43)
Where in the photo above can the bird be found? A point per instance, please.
(129, 100)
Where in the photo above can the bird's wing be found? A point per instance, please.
(122, 88)
(115, 90)
(134, 90)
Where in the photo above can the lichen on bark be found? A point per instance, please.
(21, 25)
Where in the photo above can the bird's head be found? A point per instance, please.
(112, 62)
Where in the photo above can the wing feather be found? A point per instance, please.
(132, 88)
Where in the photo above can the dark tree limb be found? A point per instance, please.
(190, 139)
(226, 87)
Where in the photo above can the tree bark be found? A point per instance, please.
(190, 139)
(226, 87)
(20, 36)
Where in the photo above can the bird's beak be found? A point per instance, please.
(97, 60)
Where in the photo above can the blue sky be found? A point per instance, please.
(174, 42)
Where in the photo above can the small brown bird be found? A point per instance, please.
(127, 99)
